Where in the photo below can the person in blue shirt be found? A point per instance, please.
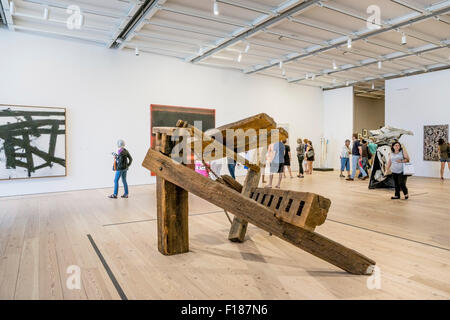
(277, 163)
(357, 159)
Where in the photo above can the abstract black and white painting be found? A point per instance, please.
(431, 135)
(32, 142)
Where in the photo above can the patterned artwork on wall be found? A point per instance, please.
(431, 135)
(32, 142)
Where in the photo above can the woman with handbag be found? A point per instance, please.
(396, 162)
(444, 152)
(309, 157)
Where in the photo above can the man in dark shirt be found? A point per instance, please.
(356, 157)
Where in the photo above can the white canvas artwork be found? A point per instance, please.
(32, 142)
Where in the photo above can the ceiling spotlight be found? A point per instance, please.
(216, 8)
(281, 64)
(45, 13)
(136, 52)
(12, 8)
(346, 83)
(380, 64)
(247, 47)
(239, 59)
(403, 39)
(283, 73)
(349, 43)
(373, 85)
(313, 77)
(334, 65)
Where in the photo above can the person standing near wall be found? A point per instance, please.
(310, 157)
(345, 159)
(444, 152)
(356, 157)
(122, 161)
(287, 158)
(300, 157)
(395, 163)
(277, 164)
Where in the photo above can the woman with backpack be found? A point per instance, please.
(122, 161)
(444, 152)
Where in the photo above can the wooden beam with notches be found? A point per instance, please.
(257, 214)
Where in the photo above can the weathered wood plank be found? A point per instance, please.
(239, 226)
(257, 214)
(172, 216)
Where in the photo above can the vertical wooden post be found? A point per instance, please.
(172, 210)
(239, 226)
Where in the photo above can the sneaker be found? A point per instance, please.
(341, 176)
(395, 198)
(406, 197)
(125, 196)
(349, 179)
(113, 196)
(364, 178)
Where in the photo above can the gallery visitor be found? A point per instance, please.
(364, 157)
(231, 167)
(345, 159)
(444, 155)
(287, 159)
(372, 150)
(276, 163)
(300, 157)
(357, 159)
(310, 157)
(122, 161)
(395, 163)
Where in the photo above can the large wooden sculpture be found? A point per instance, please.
(291, 216)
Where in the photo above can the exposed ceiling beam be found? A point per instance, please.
(438, 9)
(147, 8)
(258, 25)
(7, 14)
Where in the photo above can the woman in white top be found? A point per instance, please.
(345, 159)
(395, 163)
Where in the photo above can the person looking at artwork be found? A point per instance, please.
(364, 157)
(395, 163)
(345, 159)
(122, 161)
(300, 157)
(287, 158)
(309, 154)
(276, 163)
(372, 150)
(444, 152)
(356, 158)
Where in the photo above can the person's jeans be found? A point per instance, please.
(231, 168)
(355, 163)
(364, 162)
(345, 164)
(123, 174)
(400, 183)
(300, 163)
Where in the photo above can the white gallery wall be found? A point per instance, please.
(337, 122)
(413, 102)
(108, 94)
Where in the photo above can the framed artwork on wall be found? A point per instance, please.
(431, 135)
(32, 142)
(167, 116)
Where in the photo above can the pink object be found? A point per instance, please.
(200, 168)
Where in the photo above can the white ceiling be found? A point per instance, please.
(308, 37)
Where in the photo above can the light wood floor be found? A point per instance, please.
(41, 235)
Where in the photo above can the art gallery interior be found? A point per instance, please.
(77, 76)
